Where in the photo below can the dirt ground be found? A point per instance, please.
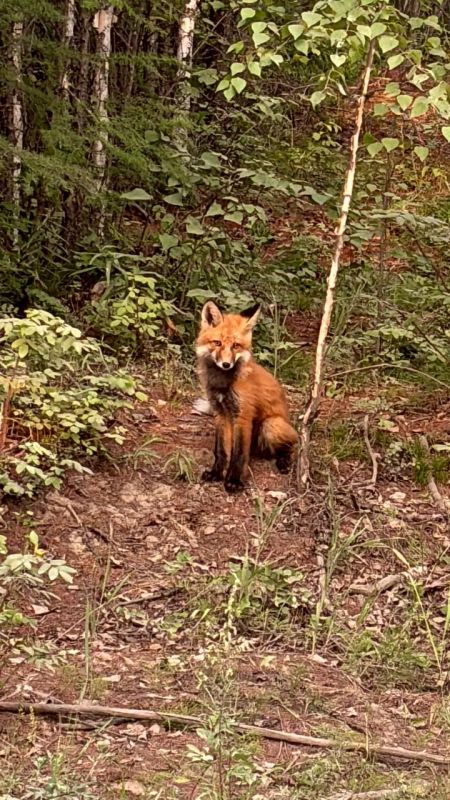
(143, 624)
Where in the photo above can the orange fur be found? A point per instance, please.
(248, 402)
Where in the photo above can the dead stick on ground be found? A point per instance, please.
(316, 391)
(372, 454)
(379, 794)
(442, 502)
(88, 709)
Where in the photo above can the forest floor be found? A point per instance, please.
(326, 617)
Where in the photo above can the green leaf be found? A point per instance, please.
(387, 43)
(247, 13)
(168, 241)
(237, 67)
(374, 148)
(390, 144)
(235, 216)
(229, 93)
(310, 18)
(175, 199)
(224, 84)
(337, 36)
(392, 89)
(338, 60)
(296, 30)
(419, 107)
(239, 84)
(377, 29)
(302, 46)
(211, 159)
(404, 101)
(415, 23)
(23, 350)
(260, 38)
(421, 152)
(136, 195)
(215, 210)
(364, 31)
(254, 67)
(317, 97)
(380, 109)
(193, 226)
(446, 132)
(258, 27)
(395, 61)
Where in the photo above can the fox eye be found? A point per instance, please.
(217, 343)
(236, 346)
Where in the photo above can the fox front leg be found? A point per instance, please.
(222, 447)
(240, 456)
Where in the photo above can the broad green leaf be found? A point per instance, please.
(229, 93)
(392, 89)
(419, 107)
(136, 195)
(254, 67)
(421, 152)
(275, 58)
(404, 101)
(302, 46)
(175, 199)
(23, 350)
(377, 29)
(415, 23)
(364, 31)
(317, 97)
(193, 226)
(260, 38)
(374, 148)
(310, 18)
(390, 144)
(235, 216)
(211, 159)
(238, 84)
(380, 109)
(446, 132)
(168, 241)
(247, 13)
(237, 67)
(387, 43)
(395, 61)
(215, 210)
(337, 36)
(224, 84)
(337, 59)
(258, 27)
(296, 30)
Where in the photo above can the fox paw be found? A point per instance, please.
(233, 485)
(211, 476)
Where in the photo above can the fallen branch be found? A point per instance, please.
(373, 456)
(89, 709)
(316, 391)
(442, 502)
(388, 582)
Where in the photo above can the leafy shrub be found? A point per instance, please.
(59, 398)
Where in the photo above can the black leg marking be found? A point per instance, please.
(283, 456)
(233, 478)
(216, 472)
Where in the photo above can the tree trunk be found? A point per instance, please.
(103, 22)
(184, 53)
(316, 392)
(16, 124)
(69, 26)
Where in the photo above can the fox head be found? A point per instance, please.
(226, 338)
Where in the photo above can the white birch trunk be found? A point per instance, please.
(69, 25)
(185, 51)
(16, 129)
(103, 22)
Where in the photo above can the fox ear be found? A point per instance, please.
(251, 315)
(211, 315)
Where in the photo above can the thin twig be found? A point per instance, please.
(90, 709)
(373, 456)
(380, 794)
(442, 502)
(388, 582)
(316, 391)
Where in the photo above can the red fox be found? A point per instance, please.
(248, 403)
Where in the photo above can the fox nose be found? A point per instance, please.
(226, 364)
